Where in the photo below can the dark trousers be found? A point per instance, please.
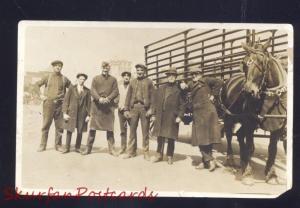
(52, 110)
(138, 112)
(123, 128)
(109, 136)
(161, 145)
(206, 151)
(69, 138)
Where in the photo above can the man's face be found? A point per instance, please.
(105, 71)
(81, 80)
(171, 78)
(57, 68)
(126, 78)
(196, 76)
(139, 72)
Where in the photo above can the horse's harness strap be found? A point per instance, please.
(276, 91)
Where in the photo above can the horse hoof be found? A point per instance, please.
(273, 181)
(248, 181)
(271, 177)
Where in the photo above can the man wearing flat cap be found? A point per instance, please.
(123, 121)
(205, 129)
(137, 107)
(76, 111)
(104, 90)
(167, 110)
(55, 88)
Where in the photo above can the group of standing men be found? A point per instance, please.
(137, 100)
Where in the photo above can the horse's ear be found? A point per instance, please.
(247, 48)
(267, 44)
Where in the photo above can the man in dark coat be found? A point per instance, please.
(104, 90)
(205, 129)
(55, 88)
(76, 111)
(137, 107)
(167, 111)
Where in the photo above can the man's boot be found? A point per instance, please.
(78, 142)
(89, 145)
(68, 143)
(111, 146)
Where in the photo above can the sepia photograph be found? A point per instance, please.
(151, 109)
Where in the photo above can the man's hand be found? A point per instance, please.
(87, 119)
(212, 98)
(101, 100)
(148, 113)
(178, 120)
(106, 100)
(183, 85)
(127, 114)
(66, 116)
(43, 97)
(152, 118)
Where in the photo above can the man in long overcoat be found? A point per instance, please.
(76, 111)
(104, 90)
(167, 111)
(205, 129)
(137, 107)
(55, 88)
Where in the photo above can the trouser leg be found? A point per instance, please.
(160, 146)
(123, 129)
(48, 111)
(145, 124)
(78, 140)
(206, 151)
(111, 141)
(91, 139)
(132, 142)
(58, 120)
(171, 147)
(68, 140)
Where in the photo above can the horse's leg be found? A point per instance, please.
(241, 139)
(228, 126)
(271, 176)
(247, 177)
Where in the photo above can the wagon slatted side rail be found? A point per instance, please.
(219, 52)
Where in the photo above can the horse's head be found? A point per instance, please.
(255, 68)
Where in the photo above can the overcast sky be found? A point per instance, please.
(83, 49)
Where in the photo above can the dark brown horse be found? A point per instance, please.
(247, 98)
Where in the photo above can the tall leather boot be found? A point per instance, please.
(90, 143)
(68, 142)
(111, 143)
(78, 142)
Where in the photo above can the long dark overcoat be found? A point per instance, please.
(205, 129)
(102, 115)
(166, 108)
(77, 106)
